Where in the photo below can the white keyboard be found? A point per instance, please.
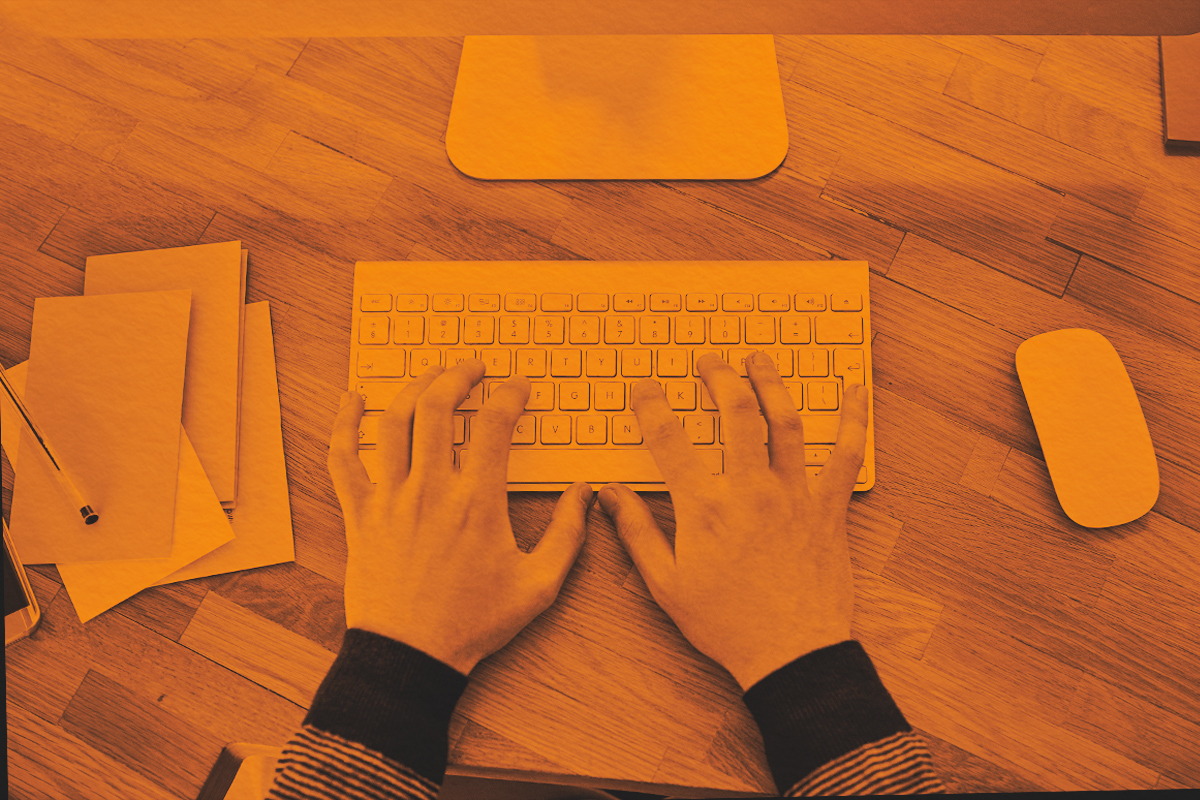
(585, 331)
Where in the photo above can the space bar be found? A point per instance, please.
(592, 466)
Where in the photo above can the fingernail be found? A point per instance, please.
(347, 397)
(759, 358)
(587, 495)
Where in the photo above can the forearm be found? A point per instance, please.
(830, 727)
(378, 725)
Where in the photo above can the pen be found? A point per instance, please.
(64, 481)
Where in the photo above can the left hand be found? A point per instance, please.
(432, 558)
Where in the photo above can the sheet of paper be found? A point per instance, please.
(105, 384)
(200, 527)
(214, 274)
(262, 523)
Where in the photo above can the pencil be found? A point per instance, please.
(64, 481)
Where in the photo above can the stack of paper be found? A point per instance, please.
(158, 389)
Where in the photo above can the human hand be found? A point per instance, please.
(432, 560)
(760, 571)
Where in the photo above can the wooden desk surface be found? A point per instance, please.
(998, 187)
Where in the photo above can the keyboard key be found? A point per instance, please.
(699, 428)
(815, 455)
(514, 330)
(700, 352)
(591, 429)
(531, 362)
(524, 431)
(593, 466)
(556, 301)
(610, 396)
(457, 355)
(625, 301)
(737, 301)
(378, 395)
(460, 429)
(737, 359)
(796, 390)
(376, 302)
(702, 302)
(497, 362)
(636, 363)
(822, 396)
(567, 363)
(548, 330)
(387, 363)
(839, 329)
(681, 395)
(654, 330)
(593, 302)
(520, 302)
(541, 396)
(443, 330)
(845, 301)
(483, 302)
(373, 330)
(625, 429)
(478, 329)
(782, 356)
(810, 302)
(601, 363)
(574, 396)
(820, 428)
(793, 329)
(422, 359)
(408, 330)
(689, 329)
(412, 302)
(665, 302)
(447, 302)
(812, 362)
(848, 365)
(672, 363)
(474, 399)
(368, 429)
(760, 329)
(725, 329)
(619, 330)
(585, 330)
(773, 302)
(556, 429)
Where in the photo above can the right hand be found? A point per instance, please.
(760, 571)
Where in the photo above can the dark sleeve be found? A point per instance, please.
(378, 725)
(830, 727)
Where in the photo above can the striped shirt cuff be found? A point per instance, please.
(898, 764)
(819, 708)
(391, 698)
(317, 765)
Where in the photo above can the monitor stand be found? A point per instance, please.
(637, 107)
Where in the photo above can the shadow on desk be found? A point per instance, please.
(244, 772)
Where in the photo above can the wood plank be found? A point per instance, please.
(379, 140)
(987, 459)
(328, 176)
(111, 210)
(141, 736)
(1141, 730)
(187, 685)
(209, 65)
(1116, 73)
(46, 761)
(991, 728)
(1155, 257)
(790, 207)
(293, 597)
(964, 772)
(410, 81)
(43, 671)
(1018, 55)
(263, 651)
(61, 113)
(868, 73)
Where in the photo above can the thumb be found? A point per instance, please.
(643, 539)
(564, 536)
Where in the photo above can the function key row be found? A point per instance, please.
(620, 301)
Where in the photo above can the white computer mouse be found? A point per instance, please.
(1090, 426)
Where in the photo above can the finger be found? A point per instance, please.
(741, 424)
(350, 479)
(396, 430)
(492, 432)
(665, 438)
(841, 470)
(433, 421)
(645, 542)
(785, 429)
(563, 539)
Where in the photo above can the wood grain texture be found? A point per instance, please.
(999, 187)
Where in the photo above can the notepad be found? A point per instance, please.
(105, 383)
(216, 275)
